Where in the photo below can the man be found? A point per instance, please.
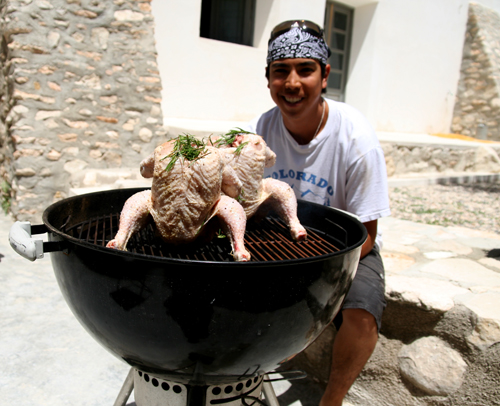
(329, 154)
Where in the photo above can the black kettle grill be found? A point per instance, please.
(190, 314)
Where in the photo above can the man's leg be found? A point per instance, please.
(353, 346)
(357, 326)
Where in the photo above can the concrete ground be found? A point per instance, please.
(47, 358)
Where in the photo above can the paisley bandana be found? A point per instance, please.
(297, 44)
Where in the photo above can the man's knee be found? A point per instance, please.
(361, 320)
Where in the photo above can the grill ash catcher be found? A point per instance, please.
(196, 327)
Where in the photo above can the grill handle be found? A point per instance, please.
(21, 241)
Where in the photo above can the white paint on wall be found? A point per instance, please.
(406, 63)
(269, 13)
(204, 79)
(403, 73)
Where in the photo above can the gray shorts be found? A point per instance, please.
(368, 288)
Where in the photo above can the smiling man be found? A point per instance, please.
(329, 154)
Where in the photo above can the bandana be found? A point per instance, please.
(297, 44)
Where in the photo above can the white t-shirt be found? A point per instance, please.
(343, 167)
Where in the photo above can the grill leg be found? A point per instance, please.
(126, 389)
(269, 393)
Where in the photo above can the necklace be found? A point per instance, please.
(320, 121)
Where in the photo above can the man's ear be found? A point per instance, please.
(324, 82)
(267, 76)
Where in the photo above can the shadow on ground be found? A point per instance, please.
(306, 391)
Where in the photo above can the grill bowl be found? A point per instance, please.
(200, 322)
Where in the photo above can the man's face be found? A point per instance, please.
(296, 84)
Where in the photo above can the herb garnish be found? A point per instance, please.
(186, 147)
(220, 234)
(240, 148)
(230, 137)
(240, 198)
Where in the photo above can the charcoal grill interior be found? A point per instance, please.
(267, 240)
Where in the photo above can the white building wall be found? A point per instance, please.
(403, 73)
(405, 63)
(205, 79)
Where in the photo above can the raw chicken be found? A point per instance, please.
(248, 154)
(185, 195)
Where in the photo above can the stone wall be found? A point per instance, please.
(478, 94)
(4, 110)
(80, 90)
(409, 160)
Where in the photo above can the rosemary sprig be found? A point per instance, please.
(241, 197)
(240, 148)
(238, 131)
(230, 137)
(202, 225)
(186, 147)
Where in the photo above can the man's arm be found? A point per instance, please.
(371, 227)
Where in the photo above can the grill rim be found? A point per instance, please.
(66, 239)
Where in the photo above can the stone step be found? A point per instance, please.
(122, 184)
(94, 180)
(463, 178)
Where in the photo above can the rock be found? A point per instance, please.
(396, 262)
(53, 39)
(75, 166)
(53, 155)
(432, 366)
(128, 15)
(491, 262)
(495, 102)
(487, 160)
(439, 255)
(92, 81)
(20, 109)
(485, 334)
(455, 326)
(68, 137)
(145, 134)
(449, 246)
(44, 5)
(100, 36)
(465, 272)
(25, 172)
(45, 114)
(423, 292)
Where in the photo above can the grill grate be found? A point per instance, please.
(267, 240)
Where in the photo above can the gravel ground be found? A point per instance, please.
(474, 206)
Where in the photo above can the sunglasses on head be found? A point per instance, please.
(304, 25)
